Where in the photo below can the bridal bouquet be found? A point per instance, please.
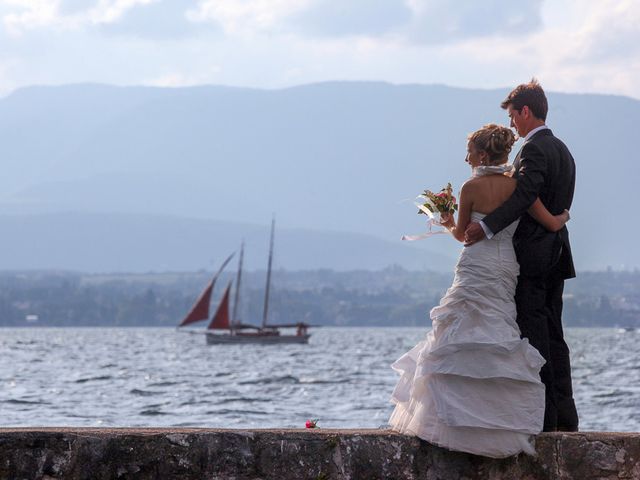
(434, 205)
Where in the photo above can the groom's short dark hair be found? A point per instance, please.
(530, 94)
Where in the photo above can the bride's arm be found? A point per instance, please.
(464, 213)
(553, 223)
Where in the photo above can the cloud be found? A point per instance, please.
(573, 45)
(421, 21)
(416, 21)
(353, 17)
(155, 19)
(71, 7)
(161, 19)
(603, 54)
(247, 17)
(22, 16)
(598, 51)
(610, 31)
(440, 21)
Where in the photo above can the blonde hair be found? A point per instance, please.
(496, 140)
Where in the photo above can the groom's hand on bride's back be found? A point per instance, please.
(473, 233)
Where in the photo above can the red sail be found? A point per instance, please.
(221, 318)
(200, 310)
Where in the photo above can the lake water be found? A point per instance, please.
(161, 377)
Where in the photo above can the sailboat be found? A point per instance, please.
(225, 326)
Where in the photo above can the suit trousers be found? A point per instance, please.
(539, 307)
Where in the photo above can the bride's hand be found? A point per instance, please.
(446, 220)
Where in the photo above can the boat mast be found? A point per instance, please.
(266, 291)
(234, 317)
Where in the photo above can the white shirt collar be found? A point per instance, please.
(534, 131)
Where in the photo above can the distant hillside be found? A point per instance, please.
(146, 243)
(392, 296)
(326, 157)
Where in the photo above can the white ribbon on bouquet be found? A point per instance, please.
(434, 220)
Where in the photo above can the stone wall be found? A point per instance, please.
(321, 454)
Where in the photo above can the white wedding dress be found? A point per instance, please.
(473, 384)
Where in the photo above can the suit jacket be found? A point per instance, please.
(544, 168)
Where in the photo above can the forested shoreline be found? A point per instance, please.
(389, 297)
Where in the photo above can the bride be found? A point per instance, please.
(473, 384)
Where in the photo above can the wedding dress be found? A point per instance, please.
(473, 384)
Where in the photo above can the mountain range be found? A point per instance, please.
(104, 178)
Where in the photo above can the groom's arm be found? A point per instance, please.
(531, 175)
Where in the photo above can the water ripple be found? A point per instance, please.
(94, 379)
(158, 377)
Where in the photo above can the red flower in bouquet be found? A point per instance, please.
(439, 203)
(311, 423)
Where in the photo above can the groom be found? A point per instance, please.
(544, 168)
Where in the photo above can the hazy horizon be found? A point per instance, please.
(172, 178)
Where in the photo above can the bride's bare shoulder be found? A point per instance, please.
(470, 187)
(472, 184)
(480, 187)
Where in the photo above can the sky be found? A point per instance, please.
(576, 46)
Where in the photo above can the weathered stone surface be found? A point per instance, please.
(322, 454)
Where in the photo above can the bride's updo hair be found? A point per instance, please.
(494, 139)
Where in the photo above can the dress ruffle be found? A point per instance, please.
(473, 384)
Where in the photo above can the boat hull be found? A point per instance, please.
(228, 339)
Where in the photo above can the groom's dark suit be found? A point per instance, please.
(544, 168)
